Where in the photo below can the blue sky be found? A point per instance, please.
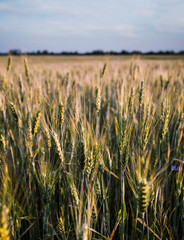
(86, 25)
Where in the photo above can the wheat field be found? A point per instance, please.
(91, 148)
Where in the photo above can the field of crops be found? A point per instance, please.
(91, 148)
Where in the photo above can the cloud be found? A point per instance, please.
(45, 7)
(96, 21)
(148, 13)
(127, 30)
(176, 27)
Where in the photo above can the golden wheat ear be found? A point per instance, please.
(36, 123)
(98, 99)
(61, 114)
(4, 223)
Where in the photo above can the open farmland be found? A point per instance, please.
(91, 147)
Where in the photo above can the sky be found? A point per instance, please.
(87, 25)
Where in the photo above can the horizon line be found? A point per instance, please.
(93, 52)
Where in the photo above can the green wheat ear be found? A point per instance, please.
(61, 222)
(76, 113)
(9, 64)
(14, 113)
(27, 70)
(143, 196)
(124, 155)
(141, 94)
(131, 101)
(103, 71)
(94, 213)
(2, 142)
(123, 135)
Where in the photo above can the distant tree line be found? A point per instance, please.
(95, 52)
